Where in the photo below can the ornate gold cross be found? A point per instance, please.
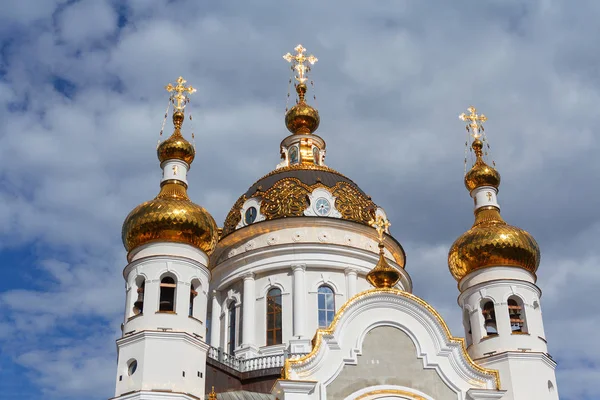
(178, 97)
(381, 225)
(299, 62)
(474, 121)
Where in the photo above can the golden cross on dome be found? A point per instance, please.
(381, 225)
(299, 62)
(178, 97)
(474, 121)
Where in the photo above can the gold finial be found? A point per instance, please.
(212, 395)
(474, 122)
(179, 93)
(383, 275)
(381, 225)
(299, 62)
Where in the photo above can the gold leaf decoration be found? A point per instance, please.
(286, 198)
(352, 204)
(234, 217)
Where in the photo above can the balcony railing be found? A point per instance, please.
(249, 364)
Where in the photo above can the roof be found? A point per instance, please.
(243, 395)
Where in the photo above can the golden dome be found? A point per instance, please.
(302, 118)
(481, 174)
(170, 217)
(176, 147)
(383, 275)
(492, 242)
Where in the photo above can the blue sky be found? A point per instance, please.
(82, 102)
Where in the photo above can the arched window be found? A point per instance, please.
(489, 317)
(326, 306)
(167, 294)
(193, 294)
(274, 317)
(138, 305)
(231, 328)
(517, 315)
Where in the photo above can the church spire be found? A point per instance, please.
(383, 276)
(302, 120)
(491, 241)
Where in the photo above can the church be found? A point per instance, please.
(303, 292)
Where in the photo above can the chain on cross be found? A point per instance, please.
(474, 121)
(299, 61)
(179, 93)
(381, 225)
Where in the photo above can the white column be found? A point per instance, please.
(351, 278)
(215, 323)
(299, 300)
(249, 304)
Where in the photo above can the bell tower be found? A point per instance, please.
(162, 351)
(495, 265)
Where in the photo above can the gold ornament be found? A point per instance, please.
(286, 198)
(492, 242)
(234, 217)
(352, 204)
(474, 121)
(481, 174)
(179, 93)
(383, 275)
(299, 62)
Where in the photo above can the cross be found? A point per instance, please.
(178, 97)
(474, 121)
(381, 224)
(298, 61)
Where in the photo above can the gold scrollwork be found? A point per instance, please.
(286, 198)
(352, 204)
(234, 217)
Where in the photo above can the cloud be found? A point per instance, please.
(81, 106)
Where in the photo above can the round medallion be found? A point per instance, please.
(322, 206)
(250, 215)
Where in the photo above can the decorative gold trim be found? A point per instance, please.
(391, 391)
(318, 340)
(302, 167)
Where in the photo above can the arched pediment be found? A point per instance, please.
(425, 334)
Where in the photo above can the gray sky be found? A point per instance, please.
(82, 102)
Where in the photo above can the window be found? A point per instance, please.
(138, 305)
(293, 154)
(326, 304)
(193, 294)
(489, 317)
(274, 317)
(231, 328)
(516, 315)
(132, 367)
(167, 294)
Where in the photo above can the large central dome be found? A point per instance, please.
(290, 191)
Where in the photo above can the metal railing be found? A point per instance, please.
(250, 364)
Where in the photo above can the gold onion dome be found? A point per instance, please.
(481, 174)
(302, 119)
(383, 275)
(490, 241)
(176, 147)
(171, 216)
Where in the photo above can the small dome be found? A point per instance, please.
(176, 147)
(492, 242)
(170, 217)
(481, 174)
(302, 118)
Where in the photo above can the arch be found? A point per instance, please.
(271, 284)
(325, 305)
(168, 293)
(340, 343)
(140, 287)
(387, 391)
(516, 313)
(488, 309)
(325, 280)
(195, 287)
(274, 318)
